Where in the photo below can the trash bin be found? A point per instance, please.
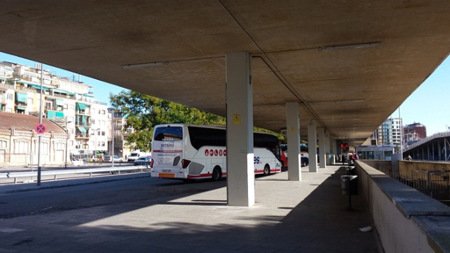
(350, 170)
(349, 184)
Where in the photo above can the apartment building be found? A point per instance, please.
(388, 133)
(414, 132)
(68, 103)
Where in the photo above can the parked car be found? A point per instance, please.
(134, 156)
(144, 160)
(117, 159)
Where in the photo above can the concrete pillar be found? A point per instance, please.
(333, 145)
(293, 141)
(327, 147)
(239, 100)
(322, 148)
(312, 146)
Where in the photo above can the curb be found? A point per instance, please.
(70, 182)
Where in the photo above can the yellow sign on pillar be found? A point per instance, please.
(236, 119)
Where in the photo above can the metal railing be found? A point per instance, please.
(56, 173)
(435, 183)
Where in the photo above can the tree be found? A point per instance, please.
(143, 112)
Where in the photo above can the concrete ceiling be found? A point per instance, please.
(349, 63)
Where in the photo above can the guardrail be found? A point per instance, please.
(55, 173)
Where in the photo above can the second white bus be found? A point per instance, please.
(198, 152)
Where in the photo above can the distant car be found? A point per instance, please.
(117, 159)
(133, 156)
(144, 160)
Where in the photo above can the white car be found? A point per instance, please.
(133, 156)
(116, 158)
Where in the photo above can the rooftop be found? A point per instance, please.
(26, 122)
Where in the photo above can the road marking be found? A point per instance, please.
(11, 230)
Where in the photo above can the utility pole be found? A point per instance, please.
(67, 143)
(40, 135)
(112, 138)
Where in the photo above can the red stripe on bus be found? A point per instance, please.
(199, 176)
(205, 175)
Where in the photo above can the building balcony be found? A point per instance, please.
(6, 86)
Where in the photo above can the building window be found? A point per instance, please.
(21, 147)
(60, 146)
(3, 144)
(44, 148)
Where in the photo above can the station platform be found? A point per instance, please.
(307, 216)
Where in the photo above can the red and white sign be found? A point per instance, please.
(40, 128)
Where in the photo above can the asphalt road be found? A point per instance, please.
(114, 193)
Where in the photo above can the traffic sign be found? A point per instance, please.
(40, 128)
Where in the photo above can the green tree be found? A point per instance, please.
(143, 112)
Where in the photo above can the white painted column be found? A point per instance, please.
(333, 145)
(293, 141)
(239, 100)
(312, 146)
(327, 147)
(322, 148)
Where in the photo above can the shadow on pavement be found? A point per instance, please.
(320, 223)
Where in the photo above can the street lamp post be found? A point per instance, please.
(112, 141)
(112, 136)
(40, 135)
(67, 141)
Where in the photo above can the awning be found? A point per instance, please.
(38, 86)
(65, 92)
(59, 115)
(55, 114)
(81, 106)
(82, 129)
(84, 120)
(21, 97)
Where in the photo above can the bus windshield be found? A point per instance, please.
(168, 133)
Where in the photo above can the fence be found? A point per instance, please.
(434, 183)
(431, 178)
(53, 174)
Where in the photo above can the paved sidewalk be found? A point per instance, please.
(306, 216)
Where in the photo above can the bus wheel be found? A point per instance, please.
(266, 170)
(217, 174)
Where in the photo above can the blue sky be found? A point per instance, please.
(429, 104)
(101, 89)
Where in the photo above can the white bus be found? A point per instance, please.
(199, 152)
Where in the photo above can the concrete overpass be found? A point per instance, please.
(339, 67)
